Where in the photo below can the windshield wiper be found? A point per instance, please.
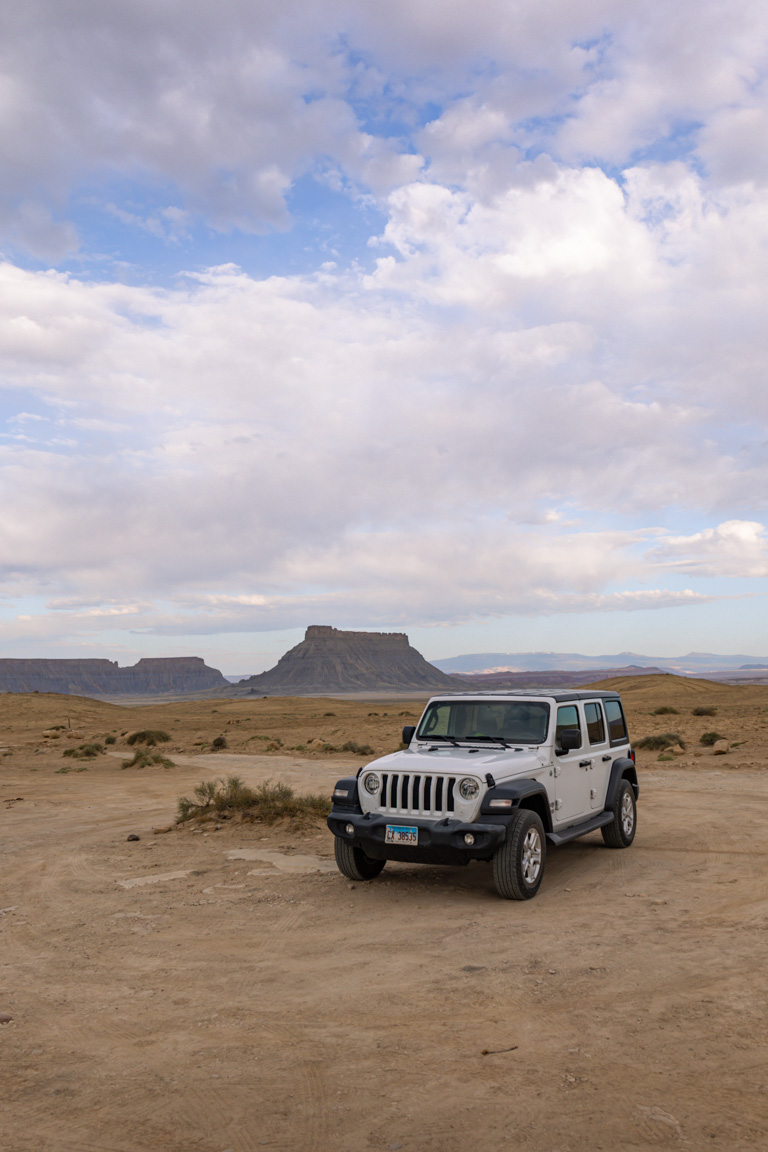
(429, 739)
(493, 739)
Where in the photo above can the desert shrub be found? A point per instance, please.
(358, 749)
(142, 758)
(84, 751)
(266, 802)
(705, 710)
(665, 710)
(110, 740)
(710, 738)
(71, 768)
(219, 742)
(660, 742)
(148, 736)
(329, 713)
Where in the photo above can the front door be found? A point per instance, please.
(571, 770)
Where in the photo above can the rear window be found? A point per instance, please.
(593, 714)
(617, 729)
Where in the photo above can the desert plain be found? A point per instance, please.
(221, 987)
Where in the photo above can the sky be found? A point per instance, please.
(443, 318)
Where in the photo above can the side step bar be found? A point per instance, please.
(577, 830)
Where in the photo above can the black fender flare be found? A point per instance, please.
(518, 791)
(622, 769)
(345, 795)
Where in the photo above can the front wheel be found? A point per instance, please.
(621, 831)
(518, 863)
(353, 863)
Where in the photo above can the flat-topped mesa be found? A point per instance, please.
(150, 676)
(331, 660)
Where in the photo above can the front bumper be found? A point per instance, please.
(440, 841)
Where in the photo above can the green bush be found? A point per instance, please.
(84, 751)
(148, 736)
(660, 742)
(705, 710)
(665, 710)
(710, 738)
(266, 802)
(110, 740)
(142, 758)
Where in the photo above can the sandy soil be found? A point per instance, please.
(227, 989)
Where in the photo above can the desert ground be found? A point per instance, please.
(222, 987)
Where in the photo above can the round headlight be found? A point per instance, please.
(468, 789)
(371, 783)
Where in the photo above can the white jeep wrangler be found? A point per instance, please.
(492, 776)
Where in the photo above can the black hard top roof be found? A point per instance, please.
(559, 694)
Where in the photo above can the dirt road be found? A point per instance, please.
(231, 991)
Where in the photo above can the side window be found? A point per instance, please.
(593, 714)
(567, 717)
(617, 729)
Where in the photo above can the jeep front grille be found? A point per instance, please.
(413, 794)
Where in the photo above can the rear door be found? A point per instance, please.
(572, 775)
(599, 753)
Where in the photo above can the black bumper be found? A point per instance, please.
(440, 842)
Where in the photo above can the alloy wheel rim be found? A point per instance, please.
(531, 856)
(627, 814)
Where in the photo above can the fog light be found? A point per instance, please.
(349, 829)
(469, 838)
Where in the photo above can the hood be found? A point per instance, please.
(500, 762)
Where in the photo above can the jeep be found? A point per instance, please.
(492, 776)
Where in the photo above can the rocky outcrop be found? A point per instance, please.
(329, 660)
(150, 677)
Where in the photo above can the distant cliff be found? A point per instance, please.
(329, 660)
(150, 677)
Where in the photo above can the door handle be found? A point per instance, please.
(585, 763)
(606, 758)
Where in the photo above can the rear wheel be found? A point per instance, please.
(518, 863)
(353, 863)
(621, 831)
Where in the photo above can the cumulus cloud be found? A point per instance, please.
(545, 387)
(735, 548)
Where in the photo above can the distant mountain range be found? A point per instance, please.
(694, 664)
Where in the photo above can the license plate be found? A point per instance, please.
(397, 834)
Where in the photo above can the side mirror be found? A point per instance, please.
(408, 733)
(570, 739)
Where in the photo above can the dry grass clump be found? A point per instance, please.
(266, 802)
(665, 710)
(705, 710)
(660, 742)
(219, 742)
(358, 749)
(148, 736)
(142, 758)
(84, 751)
(710, 738)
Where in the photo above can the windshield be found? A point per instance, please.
(512, 721)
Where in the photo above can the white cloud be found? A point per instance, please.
(548, 361)
(736, 548)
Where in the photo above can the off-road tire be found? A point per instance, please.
(518, 863)
(621, 831)
(353, 863)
